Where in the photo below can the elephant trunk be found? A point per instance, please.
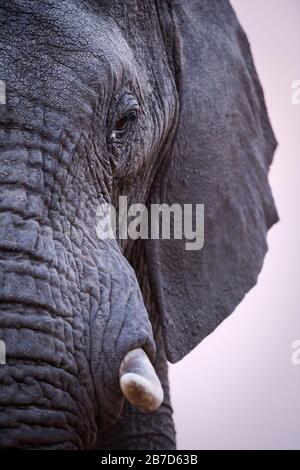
(43, 402)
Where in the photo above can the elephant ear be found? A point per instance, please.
(220, 157)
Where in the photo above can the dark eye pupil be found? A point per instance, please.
(122, 124)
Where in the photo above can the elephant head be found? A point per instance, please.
(156, 100)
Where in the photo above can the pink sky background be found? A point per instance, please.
(239, 389)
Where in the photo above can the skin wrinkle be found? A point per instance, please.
(53, 175)
(72, 418)
(62, 313)
(18, 400)
(42, 381)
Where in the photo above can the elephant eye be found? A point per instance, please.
(124, 123)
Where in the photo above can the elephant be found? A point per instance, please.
(155, 100)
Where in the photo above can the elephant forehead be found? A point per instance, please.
(60, 52)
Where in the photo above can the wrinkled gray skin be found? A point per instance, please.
(71, 305)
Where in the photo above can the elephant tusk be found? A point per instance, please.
(139, 382)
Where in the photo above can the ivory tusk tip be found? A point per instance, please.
(139, 381)
(141, 392)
